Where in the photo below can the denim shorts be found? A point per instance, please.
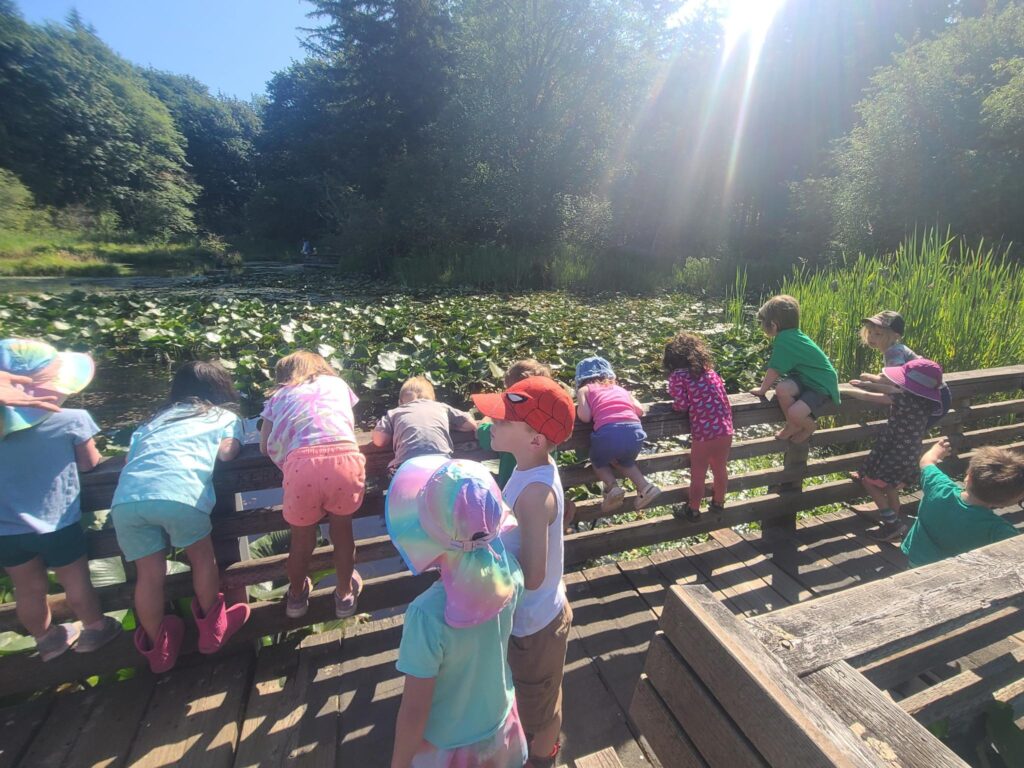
(57, 548)
(619, 443)
(147, 527)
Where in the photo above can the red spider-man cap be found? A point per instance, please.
(537, 400)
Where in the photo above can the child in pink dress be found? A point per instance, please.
(618, 433)
(309, 432)
(695, 387)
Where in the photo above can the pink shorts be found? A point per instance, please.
(506, 748)
(322, 479)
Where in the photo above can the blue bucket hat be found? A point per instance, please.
(593, 368)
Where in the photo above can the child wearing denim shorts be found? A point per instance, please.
(309, 431)
(618, 435)
(165, 495)
(41, 454)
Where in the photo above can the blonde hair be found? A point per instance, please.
(299, 367)
(783, 311)
(524, 369)
(416, 388)
(996, 475)
(865, 327)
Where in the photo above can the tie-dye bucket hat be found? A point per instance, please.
(448, 514)
(53, 373)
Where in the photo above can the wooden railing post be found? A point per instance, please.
(795, 462)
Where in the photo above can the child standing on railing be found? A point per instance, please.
(696, 388)
(308, 431)
(950, 519)
(165, 494)
(884, 332)
(458, 703)
(618, 434)
(41, 454)
(913, 395)
(420, 425)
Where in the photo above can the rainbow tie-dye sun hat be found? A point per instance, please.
(448, 514)
(53, 373)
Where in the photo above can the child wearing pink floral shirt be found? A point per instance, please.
(695, 387)
(308, 431)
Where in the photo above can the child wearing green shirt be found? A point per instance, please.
(952, 520)
(806, 384)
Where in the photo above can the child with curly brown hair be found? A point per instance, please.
(697, 389)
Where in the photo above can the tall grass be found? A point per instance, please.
(963, 306)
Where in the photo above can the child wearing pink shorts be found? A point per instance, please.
(309, 432)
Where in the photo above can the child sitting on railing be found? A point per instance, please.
(913, 395)
(951, 520)
(697, 389)
(308, 431)
(618, 433)
(41, 454)
(165, 494)
(420, 425)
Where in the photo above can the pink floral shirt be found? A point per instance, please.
(706, 401)
(318, 412)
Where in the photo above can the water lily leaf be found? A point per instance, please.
(213, 337)
(389, 360)
(378, 320)
(496, 371)
(326, 350)
(148, 334)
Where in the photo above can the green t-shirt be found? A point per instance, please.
(794, 354)
(945, 526)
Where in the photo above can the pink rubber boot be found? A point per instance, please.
(162, 654)
(219, 624)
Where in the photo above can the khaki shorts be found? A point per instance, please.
(538, 663)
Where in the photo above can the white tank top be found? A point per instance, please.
(539, 607)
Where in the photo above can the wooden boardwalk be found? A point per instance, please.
(331, 699)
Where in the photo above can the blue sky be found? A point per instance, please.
(233, 46)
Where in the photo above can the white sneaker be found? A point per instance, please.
(647, 495)
(613, 499)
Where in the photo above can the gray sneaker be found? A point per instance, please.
(58, 639)
(346, 606)
(891, 533)
(91, 639)
(296, 607)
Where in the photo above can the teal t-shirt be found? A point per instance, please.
(171, 457)
(474, 691)
(794, 354)
(945, 526)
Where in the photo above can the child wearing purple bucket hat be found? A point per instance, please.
(913, 394)
(458, 704)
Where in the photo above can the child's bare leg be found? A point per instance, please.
(30, 587)
(299, 553)
(344, 551)
(151, 571)
(892, 496)
(800, 422)
(786, 393)
(205, 576)
(82, 598)
(634, 474)
(877, 494)
(607, 477)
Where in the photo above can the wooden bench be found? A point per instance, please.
(793, 484)
(806, 684)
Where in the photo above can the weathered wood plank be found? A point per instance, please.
(789, 588)
(851, 524)
(788, 554)
(18, 726)
(606, 758)
(871, 622)
(740, 584)
(708, 725)
(780, 716)
(661, 730)
(895, 738)
(843, 551)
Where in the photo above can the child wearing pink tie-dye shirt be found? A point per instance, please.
(308, 430)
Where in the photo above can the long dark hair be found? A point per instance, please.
(203, 385)
(687, 351)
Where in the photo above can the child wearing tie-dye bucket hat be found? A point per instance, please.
(458, 705)
(42, 450)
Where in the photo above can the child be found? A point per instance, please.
(695, 387)
(618, 435)
(165, 493)
(951, 520)
(884, 332)
(811, 386)
(913, 396)
(309, 431)
(530, 419)
(458, 706)
(41, 454)
(420, 425)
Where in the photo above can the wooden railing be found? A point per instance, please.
(790, 487)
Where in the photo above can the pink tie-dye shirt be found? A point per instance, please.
(706, 401)
(317, 412)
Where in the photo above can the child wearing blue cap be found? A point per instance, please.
(618, 434)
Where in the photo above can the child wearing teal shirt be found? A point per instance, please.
(951, 520)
